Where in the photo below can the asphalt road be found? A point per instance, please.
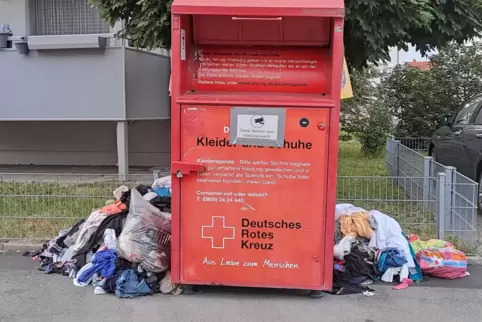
(28, 295)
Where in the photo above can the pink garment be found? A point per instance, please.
(405, 283)
(447, 262)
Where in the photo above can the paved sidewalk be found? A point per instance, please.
(28, 295)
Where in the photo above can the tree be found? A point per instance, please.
(374, 26)
(409, 94)
(364, 93)
(457, 73)
(146, 22)
(417, 97)
(371, 26)
(364, 115)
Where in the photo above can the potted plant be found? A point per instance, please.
(22, 46)
(5, 32)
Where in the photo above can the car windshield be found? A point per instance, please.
(466, 112)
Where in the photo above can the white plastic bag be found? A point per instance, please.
(110, 241)
(343, 248)
(146, 236)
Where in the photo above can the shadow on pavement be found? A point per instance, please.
(16, 262)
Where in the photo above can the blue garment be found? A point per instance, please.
(415, 273)
(129, 286)
(339, 267)
(109, 283)
(391, 257)
(103, 262)
(162, 191)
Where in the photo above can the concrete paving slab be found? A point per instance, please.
(29, 295)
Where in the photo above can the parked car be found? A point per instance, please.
(458, 141)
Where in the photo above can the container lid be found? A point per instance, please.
(257, 8)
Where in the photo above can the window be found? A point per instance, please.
(478, 119)
(65, 17)
(464, 115)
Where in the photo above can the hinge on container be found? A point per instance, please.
(182, 168)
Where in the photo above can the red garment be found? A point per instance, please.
(113, 209)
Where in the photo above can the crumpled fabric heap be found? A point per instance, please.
(103, 262)
(88, 252)
(128, 285)
(162, 186)
(356, 225)
(388, 234)
(346, 209)
(94, 221)
(379, 237)
(390, 258)
(419, 244)
(117, 193)
(439, 258)
(167, 287)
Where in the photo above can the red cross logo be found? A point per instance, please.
(218, 232)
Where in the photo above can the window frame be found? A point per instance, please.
(479, 112)
(475, 102)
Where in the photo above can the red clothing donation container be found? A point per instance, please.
(255, 119)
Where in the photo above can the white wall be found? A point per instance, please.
(85, 84)
(83, 143)
(15, 13)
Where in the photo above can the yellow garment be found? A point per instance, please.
(419, 245)
(346, 89)
(356, 225)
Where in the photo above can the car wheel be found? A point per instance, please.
(433, 154)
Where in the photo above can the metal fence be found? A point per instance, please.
(40, 205)
(420, 145)
(448, 195)
(426, 198)
(397, 196)
(37, 206)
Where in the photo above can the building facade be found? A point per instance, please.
(80, 96)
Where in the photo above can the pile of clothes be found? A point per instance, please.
(123, 248)
(371, 246)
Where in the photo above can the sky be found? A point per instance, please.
(410, 55)
(406, 56)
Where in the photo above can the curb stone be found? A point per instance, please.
(17, 247)
(474, 260)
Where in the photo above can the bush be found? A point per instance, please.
(345, 137)
(408, 94)
(373, 129)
